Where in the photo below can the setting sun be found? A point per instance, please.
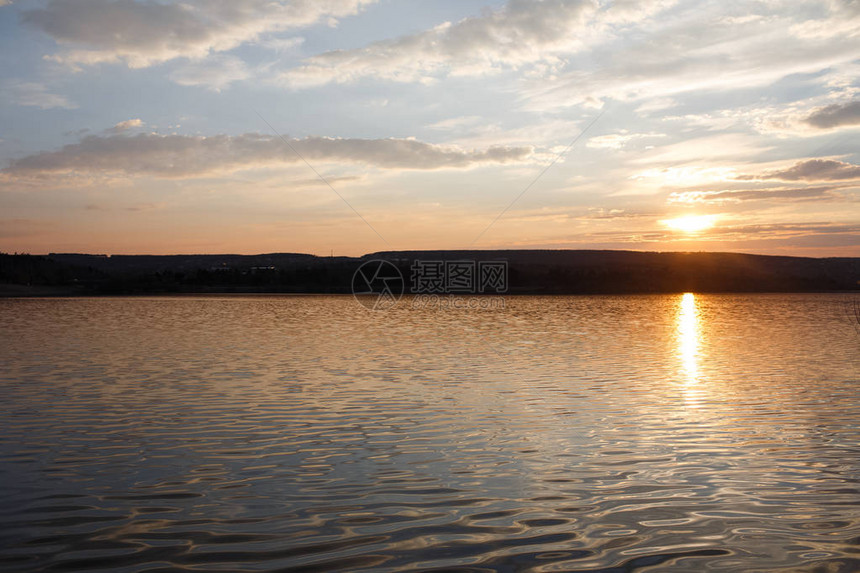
(691, 223)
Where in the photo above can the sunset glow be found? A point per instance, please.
(356, 126)
(691, 223)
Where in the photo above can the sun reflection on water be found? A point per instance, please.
(688, 342)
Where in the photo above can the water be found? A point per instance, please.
(644, 433)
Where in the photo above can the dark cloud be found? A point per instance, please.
(812, 234)
(791, 236)
(812, 170)
(793, 229)
(821, 193)
(835, 115)
(188, 156)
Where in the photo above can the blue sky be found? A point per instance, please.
(144, 127)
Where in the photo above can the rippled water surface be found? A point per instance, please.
(684, 433)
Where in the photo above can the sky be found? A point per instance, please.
(356, 126)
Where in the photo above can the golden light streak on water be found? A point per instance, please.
(688, 346)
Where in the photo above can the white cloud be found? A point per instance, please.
(703, 47)
(126, 125)
(838, 109)
(142, 33)
(618, 140)
(34, 94)
(569, 52)
(457, 123)
(655, 105)
(281, 45)
(216, 72)
(156, 155)
(520, 33)
(710, 147)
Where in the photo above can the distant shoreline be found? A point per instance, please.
(44, 296)
(528, 272)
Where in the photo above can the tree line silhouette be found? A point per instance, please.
(529, 272)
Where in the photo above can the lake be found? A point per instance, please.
(591, 433)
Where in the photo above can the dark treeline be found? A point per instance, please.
(70, 274)
(529, 272)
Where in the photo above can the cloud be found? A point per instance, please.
(701, 47)
(282, 45)
(126, 125)
(618, 140)
(156, 155)
(145, 32)
(517, 34)
(826, 170)
(739, 195)
(655, 105)
(457, 123)
(812, 170)
(569, 52)
(749, 236)
(789, 230)
(216, 72)
(722, 145)
(835, 115)
(34, 94)
(600, 213)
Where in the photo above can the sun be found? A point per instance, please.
(691, 223)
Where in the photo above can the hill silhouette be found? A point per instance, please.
(529, 272)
